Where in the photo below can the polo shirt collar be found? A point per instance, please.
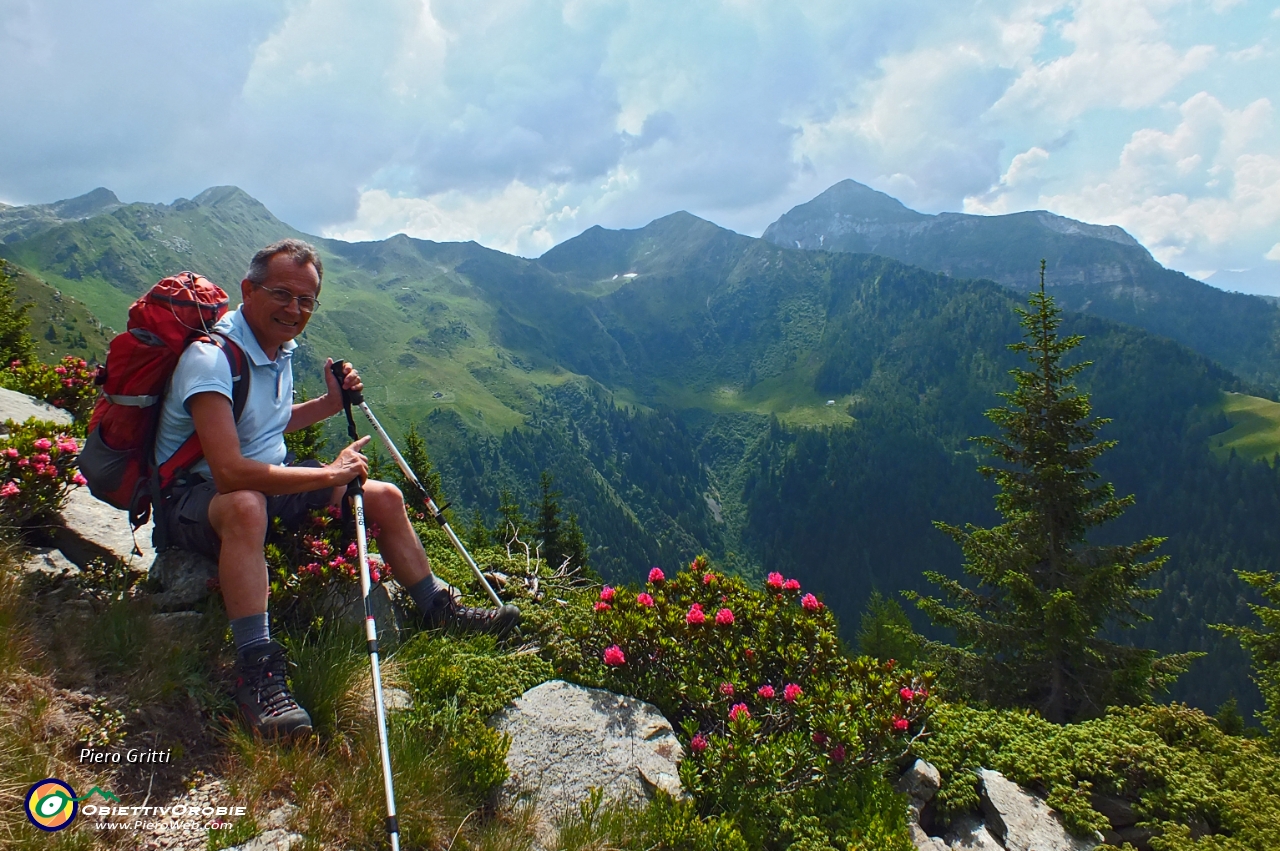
(238, 329)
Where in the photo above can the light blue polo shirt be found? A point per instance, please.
(203, 368)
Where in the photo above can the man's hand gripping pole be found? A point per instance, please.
(436, 512)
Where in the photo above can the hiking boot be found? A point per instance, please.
(264, 697)
(448, 612)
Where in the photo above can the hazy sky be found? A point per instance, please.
(520, 124)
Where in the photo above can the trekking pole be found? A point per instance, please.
(355, 492)
(436, 512)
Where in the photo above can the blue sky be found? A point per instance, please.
(520, 124)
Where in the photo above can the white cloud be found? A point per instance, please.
(1120, 58)
(1205, 195)
(1274, 253)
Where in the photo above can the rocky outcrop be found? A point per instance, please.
(567, 740)
(1012, 818)
(92, 530)
(182, 579)
(20, 408)
(1023, 822)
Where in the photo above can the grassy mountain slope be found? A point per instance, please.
(60, 325)
(691, 388)
(1092, 268)
(1255, 428)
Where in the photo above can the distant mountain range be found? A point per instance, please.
(1091, 268)
(803, 409)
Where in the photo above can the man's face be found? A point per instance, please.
(274, 323)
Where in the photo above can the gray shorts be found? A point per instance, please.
(185, 513)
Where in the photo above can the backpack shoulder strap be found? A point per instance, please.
(240, 373)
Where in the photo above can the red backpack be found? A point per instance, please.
(117, 455)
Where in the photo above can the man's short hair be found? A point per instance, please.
(296, 250)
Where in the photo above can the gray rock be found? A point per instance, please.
(923, 841)
(183, 578)
(20, 408)
(278, 839)
(47, 560)
(278, 818)
(567, 740)
(968, 833)
(1023, 822)
(393, 699)
(920, 782)
(343, 600)
(94, 530)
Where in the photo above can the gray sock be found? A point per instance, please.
(429, 593)
(250, 630)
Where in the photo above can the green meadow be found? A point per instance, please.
(1255, 428)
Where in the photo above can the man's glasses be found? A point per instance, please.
(281, 298)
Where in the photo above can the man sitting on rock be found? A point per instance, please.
(222, 507)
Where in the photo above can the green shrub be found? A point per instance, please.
(67, 384)
(1173, 762)
(785, 731)
(457, 684)
(665, 825)
(37, 466)
(305, 563)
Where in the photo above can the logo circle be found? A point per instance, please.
(51, 804)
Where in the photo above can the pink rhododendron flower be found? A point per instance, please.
(11, 452)
(810, 603)
(696, 615)
(708, 578)
(819, 738)
(724, 617)
(900, 724)
(614, 656)
(837, 753)
(50, 471)
(79, 480)
(43, 444)
(337, 562)
(60, 370)
(644, 600)
(68, 445)
(790, 692)
(602, 606)
(606, 594)
(42, 458)
(766, 691)
(791, 585)
(656, 575)
(727, 689)
(10, 489)
(906, 693)
(313, 569)
(374, 574)
(698, 744)
(24, 462)
(352, 550)
(739, 710)
(774, 581)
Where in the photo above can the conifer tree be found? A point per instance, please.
(1263, 645)
(306, 444)
(510, 518)
(574, 543)
(419, 461)
(885, 633)
(15, 336)
(549, 521)
(1030, 632)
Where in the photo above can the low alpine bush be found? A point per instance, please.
(37, 467)
(784, 730)
(67, 384)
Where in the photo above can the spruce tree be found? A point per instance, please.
(419, 461)
(15, 336)
(574, 544)
(1263, 646)
(1031, 631)
(511, 520)
(885, 633)
(306, 444)
(548, 512)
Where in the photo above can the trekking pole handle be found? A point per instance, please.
(349, 397)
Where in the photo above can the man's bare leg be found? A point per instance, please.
(240, 519)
